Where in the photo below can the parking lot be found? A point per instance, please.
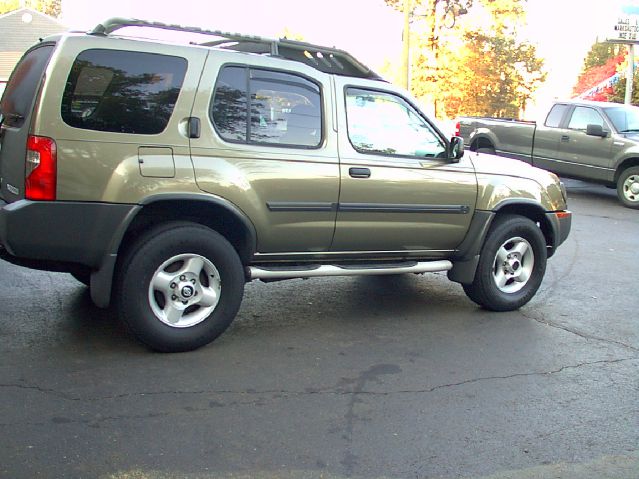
(376, 377)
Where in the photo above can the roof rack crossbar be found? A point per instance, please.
(337, 57)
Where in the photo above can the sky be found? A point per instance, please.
(562, 30)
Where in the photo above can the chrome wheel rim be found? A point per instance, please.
(514, 264)
(184, 290)
(631, 188)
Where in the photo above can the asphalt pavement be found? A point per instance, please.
(377, 377)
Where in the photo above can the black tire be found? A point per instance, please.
(83, 277)
(628, 187)
(171, 317)
(522, 269)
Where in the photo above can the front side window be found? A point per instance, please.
(267, 107)
(583, 116)
(122, 92)
(384, 123)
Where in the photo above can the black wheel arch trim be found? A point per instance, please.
(102, 278)
(216, 201)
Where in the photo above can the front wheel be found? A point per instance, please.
(511, 266)
(628, 187)
(180, 286)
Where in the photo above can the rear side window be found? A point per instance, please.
(22, 88)
(122, 92)
(553, 119)
(267, 107)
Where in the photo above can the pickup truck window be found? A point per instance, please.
(383, 123)
(584, 116)
(553, 120)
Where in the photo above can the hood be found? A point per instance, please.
(499, 165)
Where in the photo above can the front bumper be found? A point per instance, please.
(560, 223)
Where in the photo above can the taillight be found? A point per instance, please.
(458, 129)
(41, 169)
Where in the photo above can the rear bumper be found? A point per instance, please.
(50, 235)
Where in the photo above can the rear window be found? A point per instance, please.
(122, 92)
(20, 92)
(556, 114)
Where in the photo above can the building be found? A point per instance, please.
(21, 29)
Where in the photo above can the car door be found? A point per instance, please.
(267, 146)
(547, 137)
(399, 191)
(582, 155)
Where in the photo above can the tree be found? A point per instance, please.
(600, 53)
(601, 63)
(618, 92)
(490, 75)
(48, 7)
(478, 66)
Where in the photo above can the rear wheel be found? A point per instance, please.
(511, 266)
(180, 287)
(628, 187)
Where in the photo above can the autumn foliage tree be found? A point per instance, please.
(601, 62)
(48, 7)
(474, 63)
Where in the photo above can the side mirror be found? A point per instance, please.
(596, 130)
(456, 148)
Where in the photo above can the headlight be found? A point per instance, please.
(564, 193)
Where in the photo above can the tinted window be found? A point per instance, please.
(556, 114)
(229, 108)
(282, 109)
(123, 92)
(384, 123)
(582, 117)
(22, 88)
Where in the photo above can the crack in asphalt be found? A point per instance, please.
(576, 332)
(278, 394)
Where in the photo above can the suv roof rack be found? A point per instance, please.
(324, 59)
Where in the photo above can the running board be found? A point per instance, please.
(288, 272)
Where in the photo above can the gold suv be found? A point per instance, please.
(166, 175)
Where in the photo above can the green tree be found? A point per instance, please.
(48, 7)
(619, 91)
(599, 54)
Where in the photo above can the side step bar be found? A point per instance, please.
(288, 272)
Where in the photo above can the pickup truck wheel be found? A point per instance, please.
(180, 287)
(628, 187)
(511, 266)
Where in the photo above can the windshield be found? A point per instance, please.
(624, 118)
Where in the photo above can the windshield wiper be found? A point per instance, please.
(630, 130)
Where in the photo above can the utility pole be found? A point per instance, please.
(406, 46)
(630, 74)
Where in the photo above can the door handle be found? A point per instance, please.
(565, 138)
(359, 172)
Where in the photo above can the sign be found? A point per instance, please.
(625, 28)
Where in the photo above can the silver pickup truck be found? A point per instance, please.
(591, 141)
